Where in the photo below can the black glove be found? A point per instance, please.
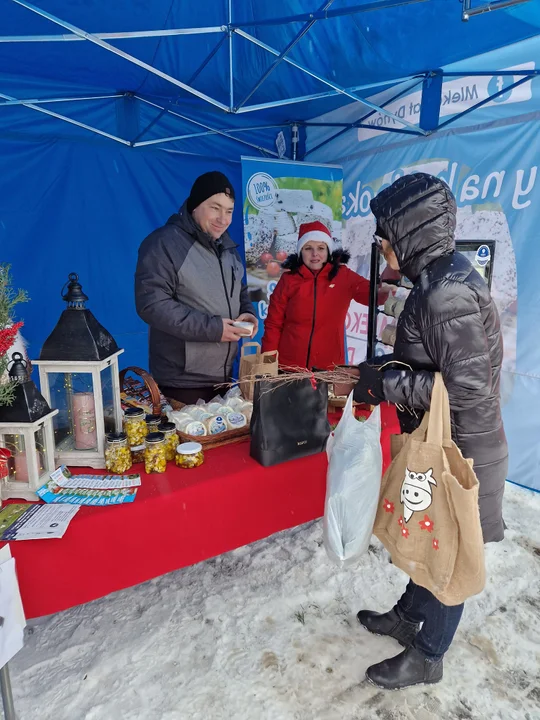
(369, 389)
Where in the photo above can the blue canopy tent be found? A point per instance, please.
(108, 111)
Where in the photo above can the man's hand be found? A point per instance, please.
(248, 317)
(230, 333)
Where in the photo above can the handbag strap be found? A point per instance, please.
(150, 383)
(438, 425)
(250, 345)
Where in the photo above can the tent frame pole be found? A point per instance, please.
(231, 57)
(283, 54)
(360, 123)
(334, 86)
(126, 56)
(116, 35)
(327, 14)
(210, 131)
(69, 120)
(191, 80)
(322, 95)
(468, 11)
(45, 101)
(484, 102)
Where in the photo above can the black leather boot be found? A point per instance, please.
(406, 669)
(389, 623)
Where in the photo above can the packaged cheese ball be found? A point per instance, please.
(216, 425)
(195, 428)
(235, 421)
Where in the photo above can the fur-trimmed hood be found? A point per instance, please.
(339, 257)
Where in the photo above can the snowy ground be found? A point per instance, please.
(268, 632)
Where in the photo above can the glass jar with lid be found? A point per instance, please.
(138, 453)
(153, 422)
(189, 455)
(117, 453)
(135, 426)
(171, 439)
(155, 460)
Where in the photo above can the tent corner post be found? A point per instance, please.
(7, 694)
(294, 140)
(430, 104)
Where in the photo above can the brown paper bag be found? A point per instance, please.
(428, 517)
(256, 363)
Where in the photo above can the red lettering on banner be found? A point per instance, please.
(351, 355)
(364, 323)
(356, 327)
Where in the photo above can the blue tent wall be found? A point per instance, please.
(85, 207)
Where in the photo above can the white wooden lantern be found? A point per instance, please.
(86, 396)
(32, 456)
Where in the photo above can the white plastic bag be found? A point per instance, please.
(352, 485)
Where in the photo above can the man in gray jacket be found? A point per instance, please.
(189, 288)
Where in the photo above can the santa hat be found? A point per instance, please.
(314, 232)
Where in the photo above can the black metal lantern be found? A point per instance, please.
(26, 430)
(78, 335)
(78, 374)
(28, 403)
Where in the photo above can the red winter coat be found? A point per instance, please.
(307, 313)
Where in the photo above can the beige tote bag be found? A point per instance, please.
(428, 517)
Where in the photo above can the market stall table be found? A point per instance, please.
(178, 518)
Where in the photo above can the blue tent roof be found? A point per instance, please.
(365, 46)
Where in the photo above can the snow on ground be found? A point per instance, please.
(268, 632)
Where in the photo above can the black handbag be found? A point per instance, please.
(289, 421)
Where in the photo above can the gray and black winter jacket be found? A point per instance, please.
(449, 324)
(185, 284)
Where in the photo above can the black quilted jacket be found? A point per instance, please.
(450, 324)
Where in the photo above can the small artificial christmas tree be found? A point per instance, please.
(8, 330)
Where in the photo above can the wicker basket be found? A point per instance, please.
(212, 441)
(150, 383)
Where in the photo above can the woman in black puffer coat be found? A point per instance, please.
(449, 324)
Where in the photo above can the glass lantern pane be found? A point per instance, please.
(108, 399)
(17, 465)
(41, 450)
(72, 394)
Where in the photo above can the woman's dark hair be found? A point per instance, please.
(339, 257)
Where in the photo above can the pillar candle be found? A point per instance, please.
(21, 467)
(84, 415)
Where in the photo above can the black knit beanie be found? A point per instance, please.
(211, 183)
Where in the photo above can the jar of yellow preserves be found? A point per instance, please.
(155, 460)
(153, 422)
(171, 439)
(117, 453)
(189, 455)
(135, 426)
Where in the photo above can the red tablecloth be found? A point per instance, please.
(178, 519)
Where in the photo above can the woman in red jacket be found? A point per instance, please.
(308, 308)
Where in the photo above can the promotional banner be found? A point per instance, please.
(278, 197)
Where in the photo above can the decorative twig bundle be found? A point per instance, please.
(339, 375)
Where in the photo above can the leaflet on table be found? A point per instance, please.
(53, 492)
(65, 479)
(35, 521)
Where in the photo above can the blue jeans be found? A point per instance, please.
(440, 622)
